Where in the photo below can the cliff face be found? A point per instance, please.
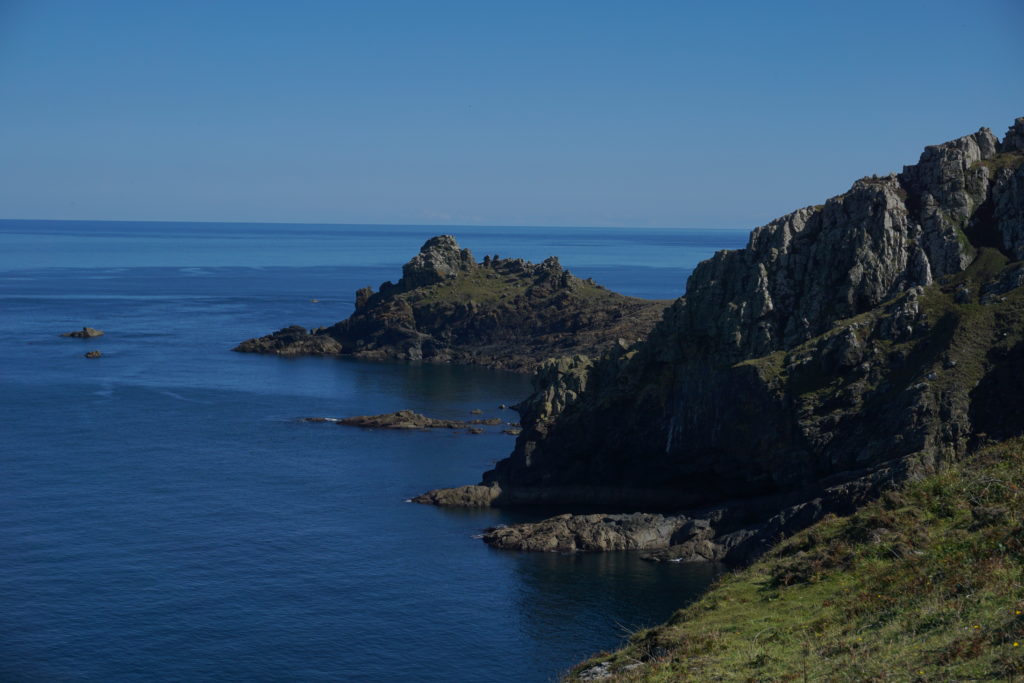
(881, 330)
(501, 313)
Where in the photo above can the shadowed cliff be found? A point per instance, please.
(848, 345)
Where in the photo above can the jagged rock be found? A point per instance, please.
(439, 258)
(93, 354)
(447, 308)
(84, 333)
(1014, 139)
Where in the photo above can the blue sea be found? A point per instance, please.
(164, 515)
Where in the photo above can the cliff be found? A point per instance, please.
(449, 308)
(848, 345)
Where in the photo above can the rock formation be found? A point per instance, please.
(848, 345)
(84, 333)
(500, 313)
(407, 419)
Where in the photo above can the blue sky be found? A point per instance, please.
(689, 114)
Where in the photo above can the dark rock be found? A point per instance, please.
(84, 333)
(93, 354)
(462, 496)
(292, 341)
(571, 533)
(403, 419)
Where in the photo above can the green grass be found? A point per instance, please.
(483, 286)
(925, 584)
(1010, 160)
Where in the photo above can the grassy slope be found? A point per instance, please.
(926, 584)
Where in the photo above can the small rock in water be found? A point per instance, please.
(93, 354)
(503, 407)
(476, 411)
(474, 430)
(84, 333)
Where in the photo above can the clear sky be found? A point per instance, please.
(645, 113)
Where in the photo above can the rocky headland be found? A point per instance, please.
(502, 313)
(850, 346)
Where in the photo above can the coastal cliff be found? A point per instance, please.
(501, 313)
(849, 345)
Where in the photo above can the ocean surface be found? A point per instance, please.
(163, 514)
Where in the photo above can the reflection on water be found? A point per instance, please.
(621, 593)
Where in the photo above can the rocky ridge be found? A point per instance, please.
(849, 345)
(500, 312)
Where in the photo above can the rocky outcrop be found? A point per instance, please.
(407, 419)
(570, 533)
(844, 342)
(501, 313)
(295, 340)
(93, 354)
(461, 496)
(84, 333)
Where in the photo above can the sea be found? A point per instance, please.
(165, 514)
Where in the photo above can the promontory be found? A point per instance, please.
(502, 313)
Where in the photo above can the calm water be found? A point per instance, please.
(164, 515)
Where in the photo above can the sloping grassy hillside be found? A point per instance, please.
(925, 584)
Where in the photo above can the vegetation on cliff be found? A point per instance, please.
(501, 313)
(925, 583)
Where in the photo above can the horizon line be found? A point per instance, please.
(380, 225)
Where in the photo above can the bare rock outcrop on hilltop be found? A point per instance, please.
(500, 313)
(848, 345)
